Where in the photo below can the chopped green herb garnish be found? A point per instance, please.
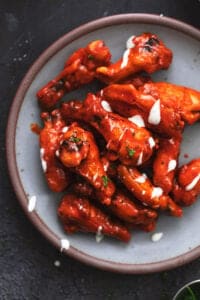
(130, 151)
(74, 139)
(105, 180)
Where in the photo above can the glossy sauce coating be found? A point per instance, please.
(78, 214)
(98, 149)
(147, 53)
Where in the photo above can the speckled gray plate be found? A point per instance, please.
(181, 239)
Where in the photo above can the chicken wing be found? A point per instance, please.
(165, 163)
(143, 190)
(50, 136)
(183, 99)
(78, 150)
(122, 205)
(78, 214)
(187, 188)
(131, 144)
(79, 70)
(153, 110)
(145, 52)
(124, 208)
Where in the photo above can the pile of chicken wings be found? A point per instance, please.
(115, 154)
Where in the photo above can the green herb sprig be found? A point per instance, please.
(130, 151)
(74, 139)
(105, 180)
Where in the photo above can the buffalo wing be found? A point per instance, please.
(158, 114)
(165, 107)
(145, 52)
(50, 137)
(143, 190)
(78, 214)
(131, 144)
(78, 150)
(122, 205)
(187, 188)
(165, 163)
(79, 70)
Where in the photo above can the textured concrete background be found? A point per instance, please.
(27, 269)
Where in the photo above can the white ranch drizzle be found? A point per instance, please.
(43, 162)
(139, 162)
(57, 263)
(82, 67)
(94, 178)
(154, 114)
(171, 165)
(108, 144)
(80, 207)
(151, 142)
(64, 244)
(156, 192)
(125, 58)
(32, 203)
(190, 186)
(122, 134)
(65, 129)
(105, 167)
(57, 153)
(106, 106)
(141, 179)
(129, 43)
(111, 124)
(99, 235)
(171, 141)
(156, 236)
(137, 120)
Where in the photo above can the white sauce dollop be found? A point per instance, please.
(130, 44)
(156, 192)
(141, 179)
(57, 263)
(156, 236)
(65, 129)
(193, 183)
(139, 162)
(151, 142)
(95, 176)
(137, 120)
(99, 235)
(171, 165)
(154, 114)
(43, 161)
(32, 203)
(125, 58)
(106, 105)
(64, 244)
(171, 141)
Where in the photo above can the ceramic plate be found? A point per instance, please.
(181, 239)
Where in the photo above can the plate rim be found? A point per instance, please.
(60, 43)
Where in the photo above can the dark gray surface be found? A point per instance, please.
(27, 268)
